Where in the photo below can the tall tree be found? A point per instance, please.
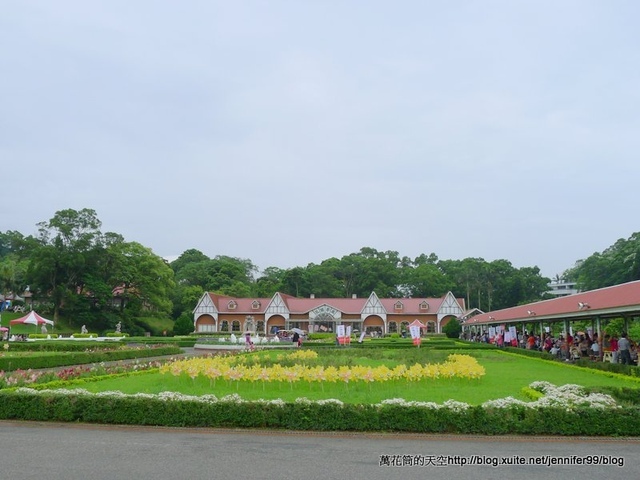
(620, 263)
(426, 280)
(65, 243)
(269, 282)
(146, 281)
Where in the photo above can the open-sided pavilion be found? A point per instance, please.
(597, 306)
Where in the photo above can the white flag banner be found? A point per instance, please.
(340, 331)
(348, 331)
(415, 331)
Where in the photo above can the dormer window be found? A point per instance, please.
(424, 306)
(398, 306)
(232, 305)
(255, 305)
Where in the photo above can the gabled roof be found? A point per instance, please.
(603, 302)
(345, 305)
(411, 306)
(471, 313)
(353, 306)
(243, 305)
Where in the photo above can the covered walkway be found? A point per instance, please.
(597, 306)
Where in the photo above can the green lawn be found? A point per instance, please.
(506, 375)
(157, 325)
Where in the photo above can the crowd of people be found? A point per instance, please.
(570, 347)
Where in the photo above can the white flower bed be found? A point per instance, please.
(566, 396)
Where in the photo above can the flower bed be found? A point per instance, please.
(20, 378)
(48, 360)
(361, 403)
(228, 368)
(569, 411)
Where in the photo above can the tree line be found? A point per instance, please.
(98, 279)
(619, 263)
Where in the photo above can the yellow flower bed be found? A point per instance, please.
(227, 368)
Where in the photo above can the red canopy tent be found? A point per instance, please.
(32, 318)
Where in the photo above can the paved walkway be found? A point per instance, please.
(71, 451)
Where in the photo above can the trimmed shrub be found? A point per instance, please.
(452, 329)
(73, 406)
(62, 346)
(10, 363)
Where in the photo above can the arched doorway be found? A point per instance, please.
(374, 326)
(205, 324)
(274, 324)
(324, 323)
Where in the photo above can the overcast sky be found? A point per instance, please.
(289, 132)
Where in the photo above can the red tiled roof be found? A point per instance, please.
(304, 305)
(345, 305)
(603, 301)
(411, 306)
(243, 304)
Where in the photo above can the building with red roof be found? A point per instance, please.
(220, 313)
(618, 301)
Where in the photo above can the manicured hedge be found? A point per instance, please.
(179, 341)
(61, 346)
(34, 361)
(630, 370)
(391, 344)
(622, 394)
(20, 405)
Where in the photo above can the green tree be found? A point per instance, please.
(452, 328)
(215, 275)
(619, 263)
(323, 279)
(13, 273)
(294, 282)
(426, 280)
(269, 282)
(184, 298)
(188, 256)
(184, 324)
(59, 263)
(148, 280)
(371, 271)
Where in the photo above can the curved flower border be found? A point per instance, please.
(567, 396)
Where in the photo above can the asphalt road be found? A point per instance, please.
(55, 451)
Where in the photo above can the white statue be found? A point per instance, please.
(84, 329)
(119, 327)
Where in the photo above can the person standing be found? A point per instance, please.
(624, 350)
(614, 349)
